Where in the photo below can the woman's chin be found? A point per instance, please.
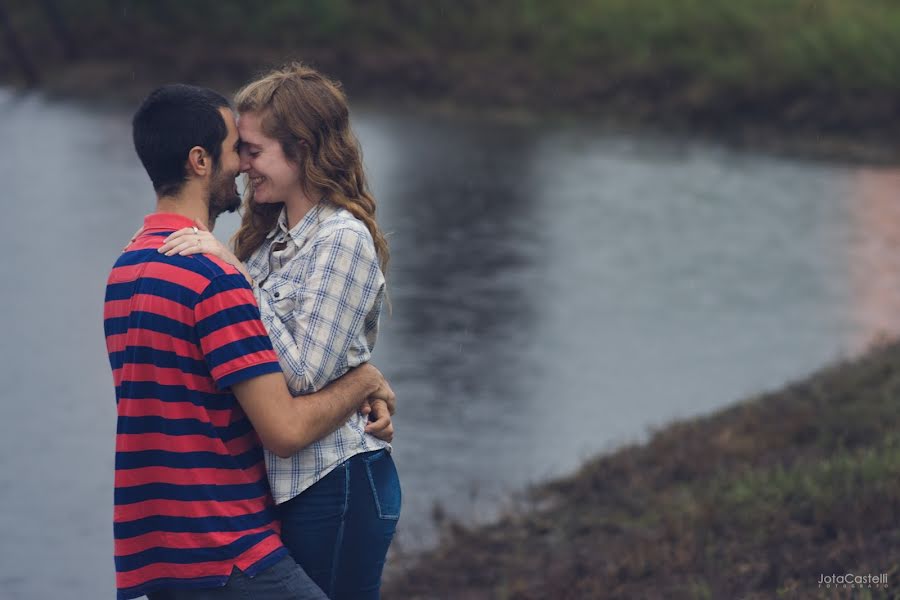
(266, 199)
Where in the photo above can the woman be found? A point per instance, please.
(316, 257)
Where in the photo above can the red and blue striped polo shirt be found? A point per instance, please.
(191, 496)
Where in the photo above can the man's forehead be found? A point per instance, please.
(228, 116)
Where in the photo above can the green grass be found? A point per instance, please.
(756, 501)
(767, 44)
(822, 73)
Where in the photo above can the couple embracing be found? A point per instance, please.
(253, 455)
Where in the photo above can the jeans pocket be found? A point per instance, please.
(385, 482)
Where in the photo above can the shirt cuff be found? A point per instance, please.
(249, 372)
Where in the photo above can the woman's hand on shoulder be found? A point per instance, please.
(196, 240)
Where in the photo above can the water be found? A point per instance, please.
(556, 292)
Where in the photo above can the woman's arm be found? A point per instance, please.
(193, 240)
(332, 299)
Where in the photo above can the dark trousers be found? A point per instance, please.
(285, 579)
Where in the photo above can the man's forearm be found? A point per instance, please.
(321, 413)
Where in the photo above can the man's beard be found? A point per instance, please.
(223, 195)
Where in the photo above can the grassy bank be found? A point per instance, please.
(749, 69)
(756, 501)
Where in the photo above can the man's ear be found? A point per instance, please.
(199, 162)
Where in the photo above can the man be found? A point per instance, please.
(198, 386)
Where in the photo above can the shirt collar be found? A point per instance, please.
(280, 224)
(299, 232)
(166, 222)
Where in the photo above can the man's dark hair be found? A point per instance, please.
(173, 119)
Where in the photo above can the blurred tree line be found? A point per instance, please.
(767, 42)
(800, 59)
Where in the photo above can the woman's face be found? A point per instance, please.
(273, 177)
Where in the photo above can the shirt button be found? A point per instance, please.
(277, 294)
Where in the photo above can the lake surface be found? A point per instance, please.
(556, 291)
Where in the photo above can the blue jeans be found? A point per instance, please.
(284, 579)
(339, 529)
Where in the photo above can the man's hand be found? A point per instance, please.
(382, 389)
(380, 423)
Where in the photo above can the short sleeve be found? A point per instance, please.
(233, 340)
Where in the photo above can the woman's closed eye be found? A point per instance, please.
(251, 152)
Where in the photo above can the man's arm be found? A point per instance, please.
(286, 425)
(239, 356)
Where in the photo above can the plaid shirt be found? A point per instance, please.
(320, 291)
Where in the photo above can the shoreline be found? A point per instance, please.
(124, 83)
(757, 500)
